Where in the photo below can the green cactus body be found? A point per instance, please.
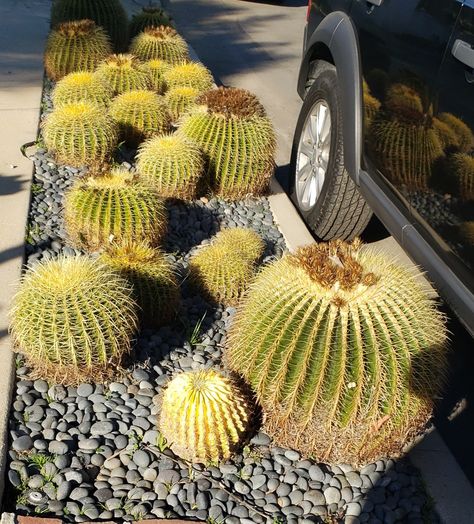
(80, 134)
(371, 105)
(402, 101)
(465, 137)
(148, 17)
(224, 269)
(75, 46)
(152, 277)
(238, 139)
(180, 100)
(124, 73)
(203, 416)
(172, 165)
(114, 208)
(156, 69)
(189, 74)
(140, 114)
(446, 135)
(406, 152)
(462, 170)
(343, 349)
(160, 43)
(81, 87)
(73, 318)
(106, 13)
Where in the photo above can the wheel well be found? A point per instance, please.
(321, 51)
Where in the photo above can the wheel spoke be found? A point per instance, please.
(307, 189)
(313, 128)
(304, 172)
(306, 149)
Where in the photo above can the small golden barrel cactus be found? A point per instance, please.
(203, 416)
(140, 114)
(223, 269)
(404, 101)
(80, 134)
(73, 318)
(156, 69)
(465, 137)
(238, 139)
(180, 100)
(162, 43)
(113, 208)
(447, 137)
(148, 17)
(462, 171)
(108, 14)
(189, 74)
(123, 72)
(152, 277)
(75, 46)
(81, 87)
(344, 350)
(172, 165)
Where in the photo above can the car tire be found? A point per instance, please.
(329, 202)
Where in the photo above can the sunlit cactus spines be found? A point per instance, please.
(73, 318)
(108, 14)
(231, 127)
(461, 168)
(75, 46)
(148, 17)
(172, 165)
(83, 86)
(140, 115)
(124, 72)
(156, 69)
(344, 350)
(80, 134)
(180, 100)
(245, 243)
(160, 43)
(465, 137)
(203, 416)
(152, 277)
(114, 208)
(189, 74)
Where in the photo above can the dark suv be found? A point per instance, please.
(387, 126)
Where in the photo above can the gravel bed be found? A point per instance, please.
(92, 452)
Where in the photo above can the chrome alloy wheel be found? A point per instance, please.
(313, 155)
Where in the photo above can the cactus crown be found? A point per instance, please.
(124, 72)
(160, 43)
(189, 74)
(203, 415)
(81, 86)
(245, 242)
(230, 101)
(163, 32)
(77, 28)
(180, 100)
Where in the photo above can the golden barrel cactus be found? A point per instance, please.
(156, 69)
(461, 168)
(148, 17)
(180, 100)
(81, 87)
(464, 135)
(189, 74)
(160, 43)
(124, 72)
(344, 350)
(203, 416)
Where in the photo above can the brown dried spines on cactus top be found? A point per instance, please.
(232, 102)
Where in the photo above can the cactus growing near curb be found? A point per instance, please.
(462, 171)
(151, 275)
(73, 318)
(80, 134)
(224, 269)
(465, 137)
(106, 13)
(140, 114)
(148, 17)
(180, 100)
(172, 165)
(203, 416)
(113, 208)
(156, 69)
(238, 138)
(75, 46)
(189, 74)
(344, 350)
(160, 43)
(124, 72)
(81, 87)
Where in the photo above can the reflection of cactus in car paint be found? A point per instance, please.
(189, 74)
(465, 137)
(160, 43)
(466, 233)
(462, 171)
(179, 100)
(404, 102)
(156, 69)
(344, 350)
(446, 135)
(371, 105)
(75, 46)
(378, 81)
(81, 87)
(108, 14)
(148, 17)
(124, 72)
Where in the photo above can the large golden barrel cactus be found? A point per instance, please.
(344, 350)
(81, 87)
(148, 17)
(180, 100)
(162, 43)
(172, 165)
(461, 168)
(156, 69)
(203, 416)
(140, 114)
(189, 74)
(152, 277)
(113, 208)
(80, 134)
(238, 138)
(225, 268)
(107, 13)
(464, 135)
(73, 318)
(75, 46)
(124, 72)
